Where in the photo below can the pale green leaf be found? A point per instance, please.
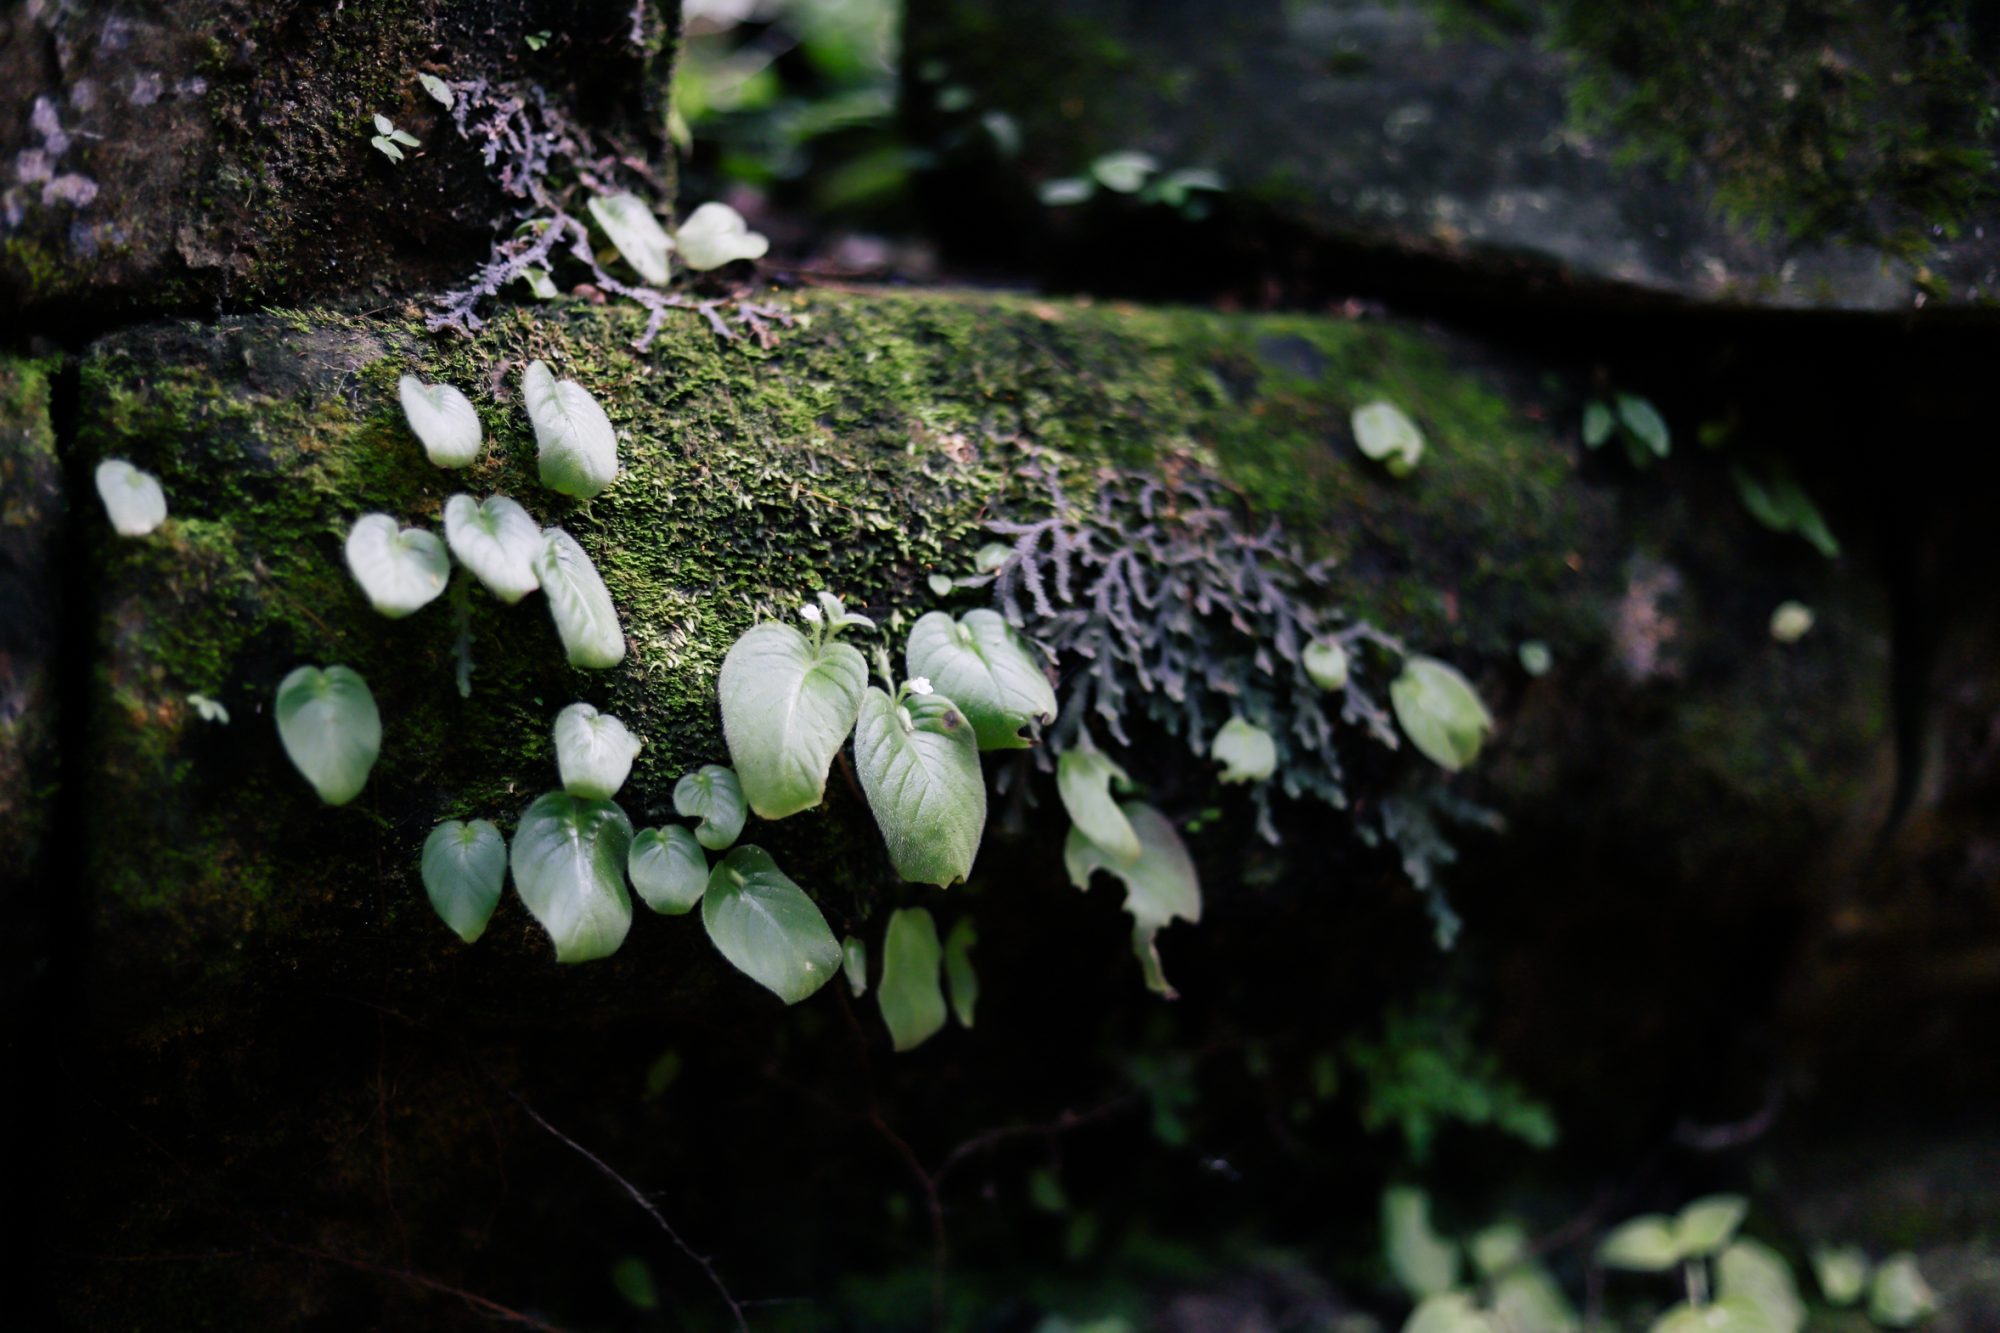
(713, 795)
(438, 89)
(133, 499)
(1842, 1273)
(497, 540)
(1440, 712)
(668, 868)
(989, 558)
(854, 965)
(1709, 1223)
(1527, 1300)
(919, 767)
(331, 729)
(1535, 657)
(1448, 1312)
(1598, 423)
(1246, 751)
(540, 284)
(940, 585)
(961, 981)
(980, 663)
(1159, 887)
(383, 125)
(911, 1002)
(766, 926)
(400, 571)
(1754, 1272)
(1326, 664)
(569, 868)
(443, 420)
(387, 148)
(1791, 621)
(1497, 1248)
(1645, 1244)
(1424, 1262)
(594, 752)
(1645, 422)
(1065, 191)
(211, 710)
(1383, 432)
(1729, 1314)
(1083, 780)
(579, 602)
(716, 234)
(405, 138)
(1123, 172)
(576, 447)
(786, 710)
(1899, 1297)
(629, 221)
(464, 866)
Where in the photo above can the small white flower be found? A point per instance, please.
(920, 685)
(810, 614)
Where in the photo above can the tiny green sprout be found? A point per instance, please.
(1842, 1273)
(716, 234)
(854, 965)
(1246, 751)
(1326, 664)
(1791, 621)
(400, 571)
(540, 283)
(1123, 172)
(1440, 712)
(388, 137)
(1535, 657)
(443, 420)
(576, 448)
(537, 40)
(208, 709)
(940, 585)
(1383, 432)
(133, 499)
(331, 729)
(1899, 1296)
(439, 90)
(638, 236)
(594, 752)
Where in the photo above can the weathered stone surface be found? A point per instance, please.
(1766, 154)
(216, 152)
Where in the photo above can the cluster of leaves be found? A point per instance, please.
(1137, 177)
(1635, 421)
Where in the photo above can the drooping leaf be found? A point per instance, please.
(1424, 1262)
(668, 868)
(1899, 1296)
(400, 571)
(579, 602)
(331, 729)
(1646, 1244)
(1326, 664)
(787, 707)
(854, 965)
(464, 866)
(1842, 1273)
(716, 234)
(594, 752)
(1708, 1224)
(961, 981)
(443, 420)
(1752, 1271)
(1646, 424)
(577, 449)
(1448, 1312)
(911, 1001)
(629, 222)
(1159, 887)
(919, 767)
(132, 499)
(1598, 423)
(979, 662)
(497, 540)
(1440, 712)
(1384, 433)
(766, 926)
(1083, 780)
(569, 868)
(1246, 751)
(713, 795)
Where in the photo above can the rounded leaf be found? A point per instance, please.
(629, 221)
(1440, 712)
(1900, 1297)
(1160, 886)
(766, 926)
(1709, 1223)
(716, 234)
(1645, 1244)
(981, 663)
(594, 752)
(1726, 1314)
(1842, 1273)
(919, 767)
(400, 571)
(1246, 751)
(464, 866)
(910, 998)
(577, 449)
(443, 420)
(569, 868)
(497, 540)
(712, 794)
(1752, 1271)
(580, 603)
(669, 869)
(1384, 433)
(1326, 664)
(1791, 621)
(330, 728)
(787, 707)
(132, 499)
(1535, 657)
(1083, 780)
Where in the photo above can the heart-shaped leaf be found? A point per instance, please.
(1424, 1262)
(1440, 712)
(1899, 1296)
(1326, 664)
(628, 220)
(569, 868)
(854, 966)
(1160, 886)
(133, 499)
(594, 752)
(787, 706)
(1083, 780)
(331, 729)
(960, 980)
(979, 662)
(766, 926)
(579, 602)
(716, 234)
(1708, 1224)
(669, 869)
(712, 794)
(1725, 1314)
(1752, 1271)
(464, 865)
(400, 571)
(497, 540)
(1246, 751)
(1384, 433)
(443, 420)
(919, 767)
(1645, 1244)
(578, 450)
(911, 1001)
